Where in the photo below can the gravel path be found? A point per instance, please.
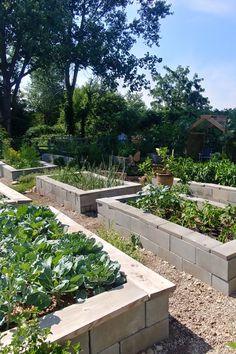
(202, 320)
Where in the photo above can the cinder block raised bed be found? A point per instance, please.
(124, 320)
(202, 256)
(78, 199)
(10, 196)
(12, 174)
(215, 192)
(211, 191)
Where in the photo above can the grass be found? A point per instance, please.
(130, 246)
(26, 183)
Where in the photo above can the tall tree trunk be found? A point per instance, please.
(6, 109)
(69, 112)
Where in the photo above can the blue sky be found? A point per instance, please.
(201, 34)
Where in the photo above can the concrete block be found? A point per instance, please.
(226, 250)
(83, 339)
(174, 229)
(183, 249)
(149, 245)
(145, 338)
(123, 219)
(157, 309)
(199, 240)
(117, 329)
(161, 238)
(218, 266)
(220, 195)
(226, 287)
(138, 226)
(232, 197)
(197, 272)
(114, 349)
(171, 258)
(120, 229)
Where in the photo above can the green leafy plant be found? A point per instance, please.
(29, 338)
(169, 204)
(146, 169)
(89, 177)
(26, 157)
(130, 246)
(166, 161)
(41, 265)
(214, 171)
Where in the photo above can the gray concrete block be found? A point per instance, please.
(183, 249)
(83, 339)
(149, 245)
(197, 272)
(226, 287)
(114, 349)
(174, 229)
(199, 240)
(145, 338)
(138, 226)
(220, 195)
(157, 309)
(161, 238)
(226, 250)
(220, 267)
(171, 258)
(117, 329)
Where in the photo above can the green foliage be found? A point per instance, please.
(29, 338)
(26, 157)
(46, 93)
(177, 92)
(130, 246)
(88, 177)
(39, 263)
(101, 38)
(26, 183)
(214, 171)
(167, 203)
(146, 169)
(231, 345)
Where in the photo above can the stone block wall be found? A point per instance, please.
(205, 258)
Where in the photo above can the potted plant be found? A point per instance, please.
(163, 172)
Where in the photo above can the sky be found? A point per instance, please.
(200, 34)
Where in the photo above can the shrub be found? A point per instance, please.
(26, 157)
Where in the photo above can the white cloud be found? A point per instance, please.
(219, 83)
(214, 7)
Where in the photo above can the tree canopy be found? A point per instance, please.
(29, 30)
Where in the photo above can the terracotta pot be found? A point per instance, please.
(166, 179)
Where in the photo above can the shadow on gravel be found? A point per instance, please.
(183, 341)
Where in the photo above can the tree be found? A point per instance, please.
(46, 93)
(176, 92)
(100, 37)
(29, 30)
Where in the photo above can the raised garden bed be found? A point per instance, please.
(78, 199)
(12, 174)
(10, 196)
(210, 191)
(137, 311)
(202, 256)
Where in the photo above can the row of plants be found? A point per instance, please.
(89, 177)
(168, 203)
(26, 157)
(43, 267)
(213, 171)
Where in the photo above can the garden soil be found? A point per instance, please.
(202, 320)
